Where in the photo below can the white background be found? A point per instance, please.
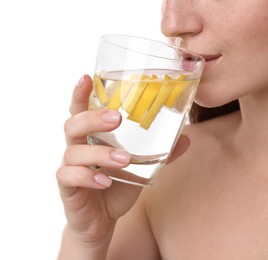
(45, 47)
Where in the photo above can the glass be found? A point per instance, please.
(153, 85)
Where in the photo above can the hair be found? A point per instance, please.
(199, 113)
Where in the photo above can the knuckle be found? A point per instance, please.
(67, 126)
(70, 109)
(82, 177)
(60, 173)
(68, 155)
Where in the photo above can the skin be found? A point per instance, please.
(211, 202)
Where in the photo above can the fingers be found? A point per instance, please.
(76, 171)
(72, 177)
(81, 94)
(84, 121)
(96, 155)
(100, 120)
(180, 148)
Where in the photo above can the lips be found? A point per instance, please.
(211, 61)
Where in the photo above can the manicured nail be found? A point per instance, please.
(121, 156)
(103, 180)
(80, 82)
(111, 116)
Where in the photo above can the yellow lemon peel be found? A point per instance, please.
(145, 101)
(100, 91)
(159, 101)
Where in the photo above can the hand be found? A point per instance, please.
(92, 202)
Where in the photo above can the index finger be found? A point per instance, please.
(80, 95)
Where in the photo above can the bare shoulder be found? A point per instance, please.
(206, 139)
(203, 196)
(144, 222)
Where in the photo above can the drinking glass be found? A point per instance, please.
(153, 85)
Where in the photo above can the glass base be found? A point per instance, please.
(140, 171)
(126, 177)
(130, 178)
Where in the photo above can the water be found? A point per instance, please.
(154, 106)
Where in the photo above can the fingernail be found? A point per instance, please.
(80, 82)
(111, 116)
(121, 156)
(103, 180)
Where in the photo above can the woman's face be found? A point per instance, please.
(232, 35)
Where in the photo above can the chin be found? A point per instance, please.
(206, 101)
(210, 101)
(209, 97)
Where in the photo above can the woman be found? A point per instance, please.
(212, 202)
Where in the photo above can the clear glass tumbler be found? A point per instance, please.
(153, 85)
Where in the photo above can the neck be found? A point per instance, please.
(252, 133)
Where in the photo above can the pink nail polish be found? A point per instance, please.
(111, 116)
(103, 180)
(80, 82)
(121, 156)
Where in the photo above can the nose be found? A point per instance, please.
(180, 19)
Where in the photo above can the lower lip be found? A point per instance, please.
(211, 63)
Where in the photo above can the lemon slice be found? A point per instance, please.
(153, 77)
(115, 100)
(162, 95)
(134, 94)
(178, 88)
(100, 90)
(145, 101)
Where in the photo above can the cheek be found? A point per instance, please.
(243, 40)
(247, 24)
(243, 69)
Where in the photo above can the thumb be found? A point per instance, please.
(80, 96)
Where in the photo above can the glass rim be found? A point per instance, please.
(105, 37)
